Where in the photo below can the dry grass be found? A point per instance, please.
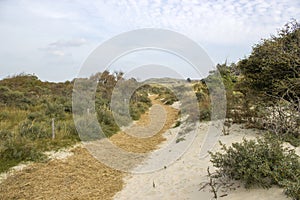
(79, 177)
(143, 145)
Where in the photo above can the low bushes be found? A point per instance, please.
(16, 150)
(28, 106)
(264, 162)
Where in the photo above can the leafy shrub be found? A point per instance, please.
(270, 79)
(67, 129)
(169, 99)
(263, 162)
(17, 150)
(204, 112)
(33, 130)
(55, 110)
(37, 116)
(134, 112)
(137, 109)
(4, 115)
(164, 94)
(292, 188)
(20, 150)
(89, 129)
(109, 130)
(5, 134)
(13, 98)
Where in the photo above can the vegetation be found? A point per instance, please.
(270, 84)
(263, 162)
(273, 68)
(263, 90)
(164, 94)
(189, 94)
(202, 94)
(28, 106)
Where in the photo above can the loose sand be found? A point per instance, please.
(182, 179)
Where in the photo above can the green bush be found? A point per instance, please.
(264, 162)
(5, 134)
(4, 115)
(134, 112)
(165, 94)
(34, 130)
(109, 130)
(68, 129)
(55, 110)
(88, 128)
(37, 116)
(17, 150)
(292, 188)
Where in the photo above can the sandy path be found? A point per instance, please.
(124, 151)
(81, 176)
(182, 179)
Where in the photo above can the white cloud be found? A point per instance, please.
(58, 53)
(63, 47)
(69, 43)
(209, 20)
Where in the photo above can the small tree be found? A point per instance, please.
(274, 66)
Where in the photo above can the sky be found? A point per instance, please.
(52, 39)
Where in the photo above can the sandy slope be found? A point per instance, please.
(182, 179)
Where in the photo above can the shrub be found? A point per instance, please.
(17, 150)
(264, 162)
(134, 112)
(54, 110)
(5, 134)
(68, 129)
(37, 116)
(34, 130)
(4, 115)
(292, 188)
(88, 128)
(283, 119)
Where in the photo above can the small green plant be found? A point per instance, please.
(263, 162)
(179, 140)
(292, 188)
(178, 123)
(226, 127)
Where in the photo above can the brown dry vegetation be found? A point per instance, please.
(79, 177)
(143, 145)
